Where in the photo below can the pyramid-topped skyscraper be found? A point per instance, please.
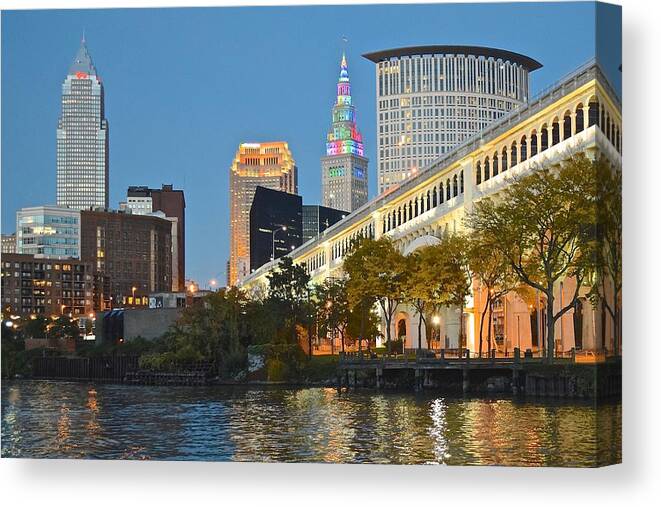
(344, 168)
(82, 137)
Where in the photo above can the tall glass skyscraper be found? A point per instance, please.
(82, 138)
(344, 168)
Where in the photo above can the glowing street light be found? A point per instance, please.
(436, 322)
(9, 324)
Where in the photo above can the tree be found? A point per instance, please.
(376, 270)
(363, 324)
(455, 275)
(288, 285)
(335, 311)
(543, 224)
(423, 285)
(63, 328)
(492, 270)
(609, 240)
(35, 328)
(216, 330)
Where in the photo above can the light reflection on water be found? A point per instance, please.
(78, 420)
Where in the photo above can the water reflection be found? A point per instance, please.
(45, 419)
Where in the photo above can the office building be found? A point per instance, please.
(270, 165)
(275, 225)
(82, 137)
(316, 219)
(433, 98)
(344, 168)
(142, 200)
(38, 286)
(48, 231)
(133, 251)
(9, 243)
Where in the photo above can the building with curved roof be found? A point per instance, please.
(432, 98)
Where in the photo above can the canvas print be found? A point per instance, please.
(335, 234)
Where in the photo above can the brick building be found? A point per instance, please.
(131, 254)
(142, 200)
(46, 286)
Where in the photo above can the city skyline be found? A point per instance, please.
(136, 100)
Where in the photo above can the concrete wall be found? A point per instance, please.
(150, 323)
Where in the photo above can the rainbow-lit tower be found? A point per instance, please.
(344, 168)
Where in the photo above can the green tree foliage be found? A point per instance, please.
(422, 285)
(609, 238)
(334, 308)
(215, 330)
(363, 325)
(35, 328)
(289, 290)
(543, 224)
(63, 328)
(376, 271)
(492, 270)
(455, 276)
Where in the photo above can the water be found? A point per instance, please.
(42, 419)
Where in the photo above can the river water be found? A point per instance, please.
(42, 419)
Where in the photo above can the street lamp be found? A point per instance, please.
(212, 282)
(436, 321)
(273, 232)
(133, 289)
(62, 307)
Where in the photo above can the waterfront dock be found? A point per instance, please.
(566, 376)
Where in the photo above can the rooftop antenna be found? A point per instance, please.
(83, 40)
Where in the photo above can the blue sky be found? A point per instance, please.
(185, 86)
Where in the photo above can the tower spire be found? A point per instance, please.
(82, 64)
(344, 167)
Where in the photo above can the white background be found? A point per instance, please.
(636, 482)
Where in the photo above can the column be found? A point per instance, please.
(469, 184)
(377, 221)
(573, 123)
(328, 257)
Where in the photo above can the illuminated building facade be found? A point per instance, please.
(9, 243)
(580, 114)
(344, 168)
(432, 98)
(82, 138)
(48, 231)
(269, 165)
(49, 287)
